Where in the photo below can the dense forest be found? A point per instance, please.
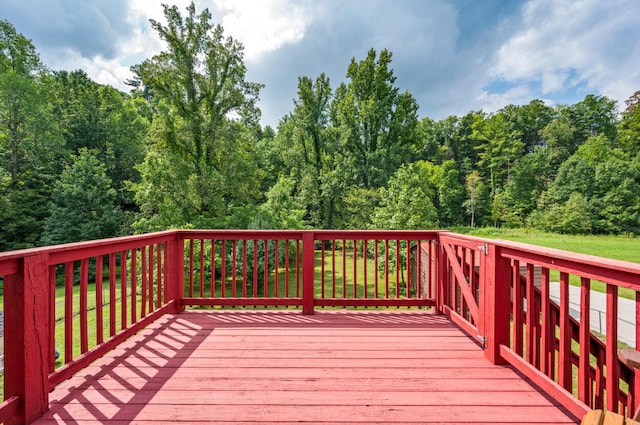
(185, 149)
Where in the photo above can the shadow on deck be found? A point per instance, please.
(282, 367)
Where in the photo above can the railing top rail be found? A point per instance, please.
(318, 234)
(87, 248)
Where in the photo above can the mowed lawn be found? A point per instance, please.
(626, 248)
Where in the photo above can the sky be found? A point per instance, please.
(453, 56)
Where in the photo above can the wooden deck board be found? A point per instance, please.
(282, 367)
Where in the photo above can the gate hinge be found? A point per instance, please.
(483, 341)
(484, 248)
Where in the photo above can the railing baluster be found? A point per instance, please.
(84, 289)
(255, 268)
(212, 289)
(265, 281)
(408, 269)
(376, 282)
(364, 262)
(223, 267)
(322, 259)
(123, 290)
(386, 268)
(202, 268)
(68, 312)
(547, 345)
(584, 367)
(52, 317)
(159, 264)
(530, 317)
(244, 268)
(112, 294)
(134, 286)
(355, 268)
(517, 308)
(151, 281)
(234, 262)
(297, 268)
(333, 268)
(286, 268)
(143, 278)
(564, 364)
(344, 269)
(419, 269)
(165, 257)
(397, 268)
(613, 373)
(275, 284)
(191, 261)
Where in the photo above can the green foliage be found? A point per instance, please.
(201, 166)
(83, 203)
(375, 122)
(79, 160)
(407, 202)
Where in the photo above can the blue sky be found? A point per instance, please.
(454, 56)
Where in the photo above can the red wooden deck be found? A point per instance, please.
(282, 367)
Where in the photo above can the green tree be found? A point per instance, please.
(377, 123)
(30, 147)
(593, 116)
(527, 121)
(407, 202)
(498, 149)
(100, 118)
(527, 181)
(629, 128)
(201, 168)
(83, 203)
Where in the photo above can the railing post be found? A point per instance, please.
(308, 272)
(175, 271)
(27, 322)
(495, 306)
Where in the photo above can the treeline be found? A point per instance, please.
(80, 160)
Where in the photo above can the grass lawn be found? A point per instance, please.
(624, 248)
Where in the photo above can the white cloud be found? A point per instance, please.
(491, 102)
(263, 26)
(565, 44)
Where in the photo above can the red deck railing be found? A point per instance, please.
(496, 291)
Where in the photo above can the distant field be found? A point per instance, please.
(625, 248)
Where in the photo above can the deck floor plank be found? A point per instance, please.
(281, 367)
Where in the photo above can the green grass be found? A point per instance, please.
(626, 248)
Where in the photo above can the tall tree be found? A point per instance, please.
(376, 122)
(29, 143)
(201, 166)
(498, 149)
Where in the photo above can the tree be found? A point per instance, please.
(407, 202)
(527, 181)
(30, 146)
(593, 116)
(376, 123)
(201, 168)
(102, 119)
(561, 141)
(476, 191)
(83, 203)
(527, 121)
(498, 149)
(629, 128)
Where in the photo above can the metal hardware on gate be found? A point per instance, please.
(483, 341)
(484, 248)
